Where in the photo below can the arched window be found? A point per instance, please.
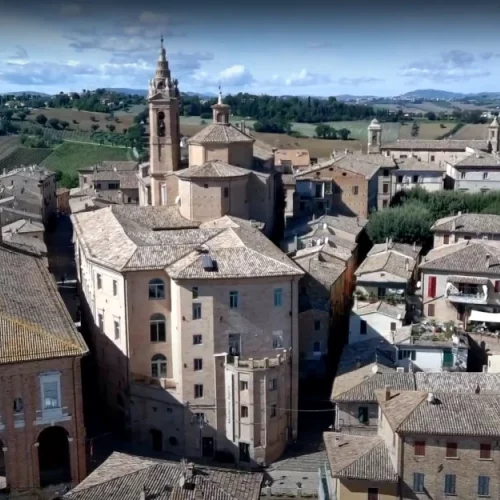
(157, 289)
(157, 328)
(158, 366)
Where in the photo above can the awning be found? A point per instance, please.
(473, 280)
(484, 317)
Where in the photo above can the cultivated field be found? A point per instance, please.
(24, 157)
(472, 131)
(83, 118)
(428, 130)
(70, 156)
(8, 144)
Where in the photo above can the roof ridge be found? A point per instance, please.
(411, 412)
(376, 438)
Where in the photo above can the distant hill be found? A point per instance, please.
(433, 94)
(144, 92)
(349, 97)
(22, 92)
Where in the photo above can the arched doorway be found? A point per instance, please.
(53, 456)
(3, 472)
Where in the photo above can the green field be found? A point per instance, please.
(70, 156)
(24, 157)
(8, 144)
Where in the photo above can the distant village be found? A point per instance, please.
(216, 323)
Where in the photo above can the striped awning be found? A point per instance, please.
(472, 280)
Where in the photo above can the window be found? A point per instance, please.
(196, 310)
(363, 414)
(446, 239)
(156, 289)
(274, 411)
(158, 366)
(278, 297)
(226, 192)
(400, 179)
(195, 292)
(403, 156)
(244, 411)
(277, 340)
(205, 186)
(157, 328)
(448, 358)
(115, 288)
(385, 188)
(355, 190)
(273, 384)
(497, 286)
(431, 287)
(233, 300)
(450, 481)
(362, 327)
(18, 405)
(419, 448)
(485, 451)
(317, 325)
(386, 172)
(198, 364)
(100, 320)
(317, 347)
(485, 175)
(451, 450)
(418, 482)
(243, 385)
(393, 326)
(198, 391)
(462, 175)
(433, 158)
(483, 486)
(372, 494)
(234, 344)
(406, 354)
(415, 179)
(197, 340)
(99, 282)
(431, 310)
(116, 327)
(51, 391)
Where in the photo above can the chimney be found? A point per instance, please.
(414, 246)
(454, 225)
(487, 257)
(295, 242)
(485, 368)
(325, 225)
(143, 495)
(299, 489)
(198, 494)
(478, 389)
(431, 399)
(358, 363)
(407, 264)
(387, 393)
(386, 244)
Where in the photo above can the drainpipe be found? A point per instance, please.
(77, 440)
(292, 350)
(127, 344)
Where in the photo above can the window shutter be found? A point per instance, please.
(497, 286)
(431, 287)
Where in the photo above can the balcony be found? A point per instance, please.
(48, 416)
(467, 290)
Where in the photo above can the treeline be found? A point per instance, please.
(412, 213)
(264, 108)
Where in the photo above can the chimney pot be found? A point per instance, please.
(387, 394)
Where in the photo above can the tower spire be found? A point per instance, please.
(220, 96)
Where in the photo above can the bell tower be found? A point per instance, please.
(374, 137)
(493, 135)
(220, 111)
(164, 132)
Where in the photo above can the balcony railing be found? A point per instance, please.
(467, 298)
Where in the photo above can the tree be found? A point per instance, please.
(41, 119)
(430, 115)
(344, 133)
(7, 115)
(22, 115)
(64, 124)
(94, 127)
(110, 127)
(325, 131)
(415, 129)
(54, 123)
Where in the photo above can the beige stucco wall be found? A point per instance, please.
(350, 489)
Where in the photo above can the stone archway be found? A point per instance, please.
(3, 468)
(54, 459)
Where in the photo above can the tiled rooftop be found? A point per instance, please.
(33, 319)
(436, 144)
(213, 168)
(387, 262)
(393, 311)
(413, 164)
(465, 257)
(469, 223)
(220, 133)
(359, 457)
(352, 225)
(479, 159)
(138, 238)
(450, 414)
(119, 166)
(297, 157)
(34, 172)
(126, 477)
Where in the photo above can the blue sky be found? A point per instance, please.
(316, 48)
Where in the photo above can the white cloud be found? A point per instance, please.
(152, 18)
(234, 76)
(70, 10)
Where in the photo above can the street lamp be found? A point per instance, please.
(199, 420)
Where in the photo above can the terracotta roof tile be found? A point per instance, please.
(220, 133)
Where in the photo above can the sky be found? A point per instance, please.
(318, 47)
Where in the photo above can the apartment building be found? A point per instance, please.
(427, 444)
(289, 161)
(42, 433)
(385, 283)
(412, 172)
(115, 181)
(460, 278)
(30, 190)
(462, 227)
